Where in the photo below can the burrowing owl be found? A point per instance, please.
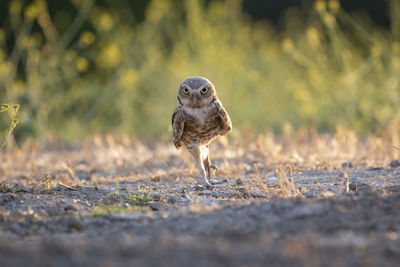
(197, 120)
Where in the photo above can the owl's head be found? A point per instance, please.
(196, 92)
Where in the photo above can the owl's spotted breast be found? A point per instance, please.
(201, 125)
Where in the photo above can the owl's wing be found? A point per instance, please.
(178, 123)
(225, 120)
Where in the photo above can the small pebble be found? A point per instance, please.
(154, 206)
(353, 187)
(171, 200)
(347, 164)
(74, 224)
(394, 163)
(70, 207)
(239, 181)
(376, 169)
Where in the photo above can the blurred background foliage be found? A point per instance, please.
(80, 67)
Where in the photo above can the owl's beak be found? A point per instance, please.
(195, 97)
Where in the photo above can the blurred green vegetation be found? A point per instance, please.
(96, 71)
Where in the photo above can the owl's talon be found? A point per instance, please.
(207, 182)
(212, 166)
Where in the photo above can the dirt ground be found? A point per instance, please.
(295, 201)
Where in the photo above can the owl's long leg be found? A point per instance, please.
(196, 152)
(208, 165)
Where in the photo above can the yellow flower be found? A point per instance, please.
(31, 12)
(4, 107)
(16, 107)
(109, 56)
(86, 38)
(334, 5)
(128, 78)
(320, 5)
(82, 64)
(329, 20)
(287, 45)
(157, 10)
(102, 19)
(5, 68)
(313, 38)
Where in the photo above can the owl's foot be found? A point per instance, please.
(213, 182)
(207, 182)
(212, 166)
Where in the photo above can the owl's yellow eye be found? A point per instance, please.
(204, 90)
(185, 90)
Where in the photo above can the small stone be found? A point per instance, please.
(394, 163)
(70, 207)
(154, 206)
(353, 187)
(74, 224)
(347, 164)
(239, 181)
(171, 200)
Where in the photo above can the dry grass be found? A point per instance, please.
(106, 159)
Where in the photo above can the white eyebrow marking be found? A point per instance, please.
(187, 86)
(204, 85)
